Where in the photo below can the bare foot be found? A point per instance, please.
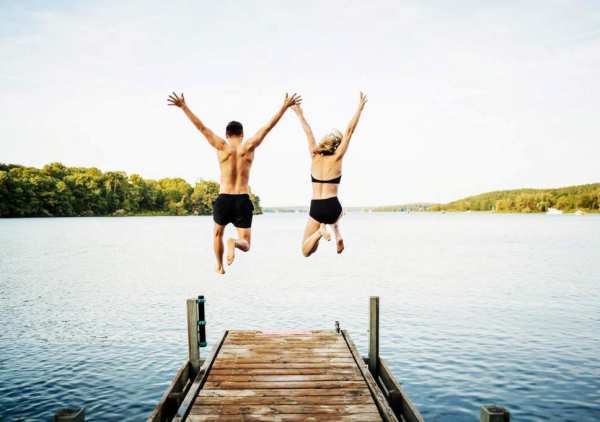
(326, 235)
(340, 245)
(230, 251)
(219, 269)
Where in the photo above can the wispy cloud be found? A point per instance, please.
(463, 99)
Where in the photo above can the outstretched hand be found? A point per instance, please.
(297, 109)
(292, 101)
(363, 100)
(175, 100)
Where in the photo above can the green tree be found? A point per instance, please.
(57, 190)
(256, 203)
(177, 194)
(586, 197)
(204, 194)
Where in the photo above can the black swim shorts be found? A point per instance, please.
(326, 211)
(236, 209)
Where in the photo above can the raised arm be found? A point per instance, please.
(257, 139)
(312, 144)
(216, 141)
(341, 150)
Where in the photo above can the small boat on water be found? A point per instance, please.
(555, 211)
(579, 212)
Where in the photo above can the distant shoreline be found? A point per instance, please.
(59, 191)
(367, 210)
(271, 211)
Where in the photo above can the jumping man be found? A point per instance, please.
(233, 204)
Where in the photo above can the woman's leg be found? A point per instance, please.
(339, 242)
(312, 235)
(325, 232)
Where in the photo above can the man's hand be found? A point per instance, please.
(175, 100)
(214, 140)
(257, 139)
(363, 100)
(291, 101)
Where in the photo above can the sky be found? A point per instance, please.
(464, 97)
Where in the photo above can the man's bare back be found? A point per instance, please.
(235, 160)
(235, 163)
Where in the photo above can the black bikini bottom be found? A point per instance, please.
(326, 211)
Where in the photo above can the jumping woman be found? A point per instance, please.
(326, 173)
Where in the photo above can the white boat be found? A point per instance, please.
(579, 212)
(553, 211)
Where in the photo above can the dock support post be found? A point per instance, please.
(192, 325)
(70, 414)
(493, 414)
(373, 334)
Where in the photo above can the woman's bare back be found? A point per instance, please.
(325, 167)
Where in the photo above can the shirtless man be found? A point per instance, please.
(233, 204)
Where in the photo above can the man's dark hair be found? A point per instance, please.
(234, 129)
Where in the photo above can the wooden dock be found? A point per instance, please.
(285, 376)
(315, 375)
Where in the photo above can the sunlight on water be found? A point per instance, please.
(475, 308)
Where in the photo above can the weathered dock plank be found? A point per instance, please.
(284, 376)
(315, 375)
(364, 417)
(284, 392)
(284, 400)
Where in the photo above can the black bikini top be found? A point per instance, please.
(335, 180)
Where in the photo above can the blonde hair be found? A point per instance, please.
(329, 143)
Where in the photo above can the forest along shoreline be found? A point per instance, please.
(56, 190)
(59, 191)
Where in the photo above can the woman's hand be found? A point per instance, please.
(362, 101)
(297, 109)
(175, 100)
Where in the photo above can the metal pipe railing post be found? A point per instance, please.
(201, 322)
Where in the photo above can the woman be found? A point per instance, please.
(326, 173)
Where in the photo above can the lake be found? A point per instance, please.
(475, 308)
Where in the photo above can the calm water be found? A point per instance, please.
(475, 308)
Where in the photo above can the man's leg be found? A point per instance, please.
(242, 243)
(218, 246)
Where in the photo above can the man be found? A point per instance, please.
(233, 204)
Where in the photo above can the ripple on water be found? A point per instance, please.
(475, 309)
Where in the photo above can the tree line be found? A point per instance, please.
(567, 199)
(59, 191)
